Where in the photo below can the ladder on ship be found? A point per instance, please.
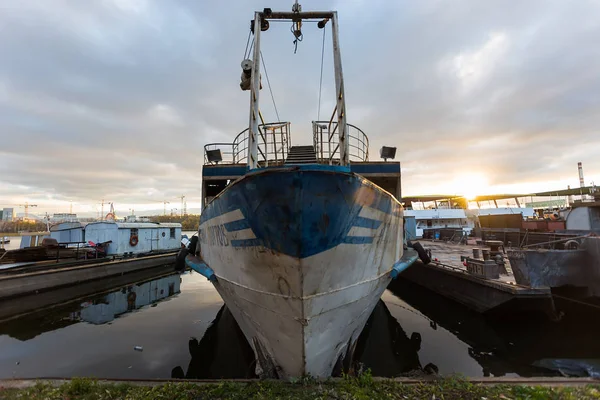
(301, 155)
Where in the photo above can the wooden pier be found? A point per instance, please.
(448, 276)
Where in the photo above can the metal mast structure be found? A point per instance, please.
(296, 16)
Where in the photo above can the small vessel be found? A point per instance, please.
(299, 241)
(576, 263)
(571, 261)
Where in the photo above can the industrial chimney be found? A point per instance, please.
(580, 168)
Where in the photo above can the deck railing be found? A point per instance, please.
(326, 140)
(274, 142)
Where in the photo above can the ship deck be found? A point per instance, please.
(447, 276)
(449, 255)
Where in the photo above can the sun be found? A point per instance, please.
(470, 185)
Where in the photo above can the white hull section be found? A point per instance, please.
(302, 335)
(300, 315)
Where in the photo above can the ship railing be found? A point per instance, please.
(274, 142)
(326, 140)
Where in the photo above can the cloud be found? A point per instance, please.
(115, 99)
(474, 67)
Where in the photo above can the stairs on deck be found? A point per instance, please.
(301, 155)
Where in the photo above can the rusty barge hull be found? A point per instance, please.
(479, 294)
(552, 268)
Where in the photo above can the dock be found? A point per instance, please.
(448, 276)
(29, 279)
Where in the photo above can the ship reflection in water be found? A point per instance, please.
(223, 352)
(411, 332)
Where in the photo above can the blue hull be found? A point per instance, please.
(301, 255)
(299, 211)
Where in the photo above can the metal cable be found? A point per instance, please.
(321, 79)
(576, 301)
(269, 84)
(247, 43)
(251, 47)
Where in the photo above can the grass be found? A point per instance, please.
(355, 388)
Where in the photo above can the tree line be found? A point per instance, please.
(188, 222)
(22, 226)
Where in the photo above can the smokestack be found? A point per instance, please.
(580, 168)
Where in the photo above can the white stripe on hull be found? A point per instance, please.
(231, 216)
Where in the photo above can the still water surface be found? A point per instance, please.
(185, 331)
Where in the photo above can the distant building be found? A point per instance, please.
(63, 217)
(8, 214)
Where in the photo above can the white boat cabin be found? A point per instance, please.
(68, 232)
(436, 219)
(134, 237)
(436, 212)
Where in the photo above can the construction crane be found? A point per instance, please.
(165, 206)
(26, 206)
(103, 202)
(111, 216)
(183, 206)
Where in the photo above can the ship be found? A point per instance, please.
(299, 241)
(571, 260)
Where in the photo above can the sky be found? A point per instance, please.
(115, 99)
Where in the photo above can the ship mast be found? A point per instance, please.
(296, 16)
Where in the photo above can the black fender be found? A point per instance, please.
(192, 247)
(180, 260)
(424, 256)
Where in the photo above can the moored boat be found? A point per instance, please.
(576, 264)
(300, 241)
(573, 260)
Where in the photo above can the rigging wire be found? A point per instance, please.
(250, 49)
(321, 79)
(247, 43)
(269, 84)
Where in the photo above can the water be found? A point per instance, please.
(171, 318)
(15, 243)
